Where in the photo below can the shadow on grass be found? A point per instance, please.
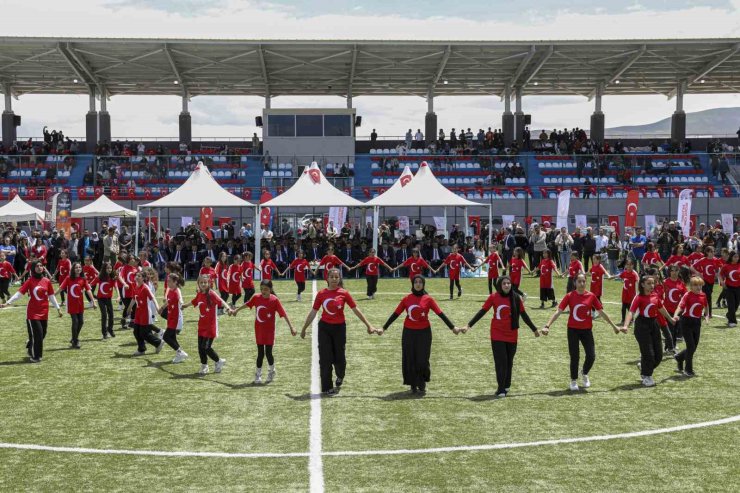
(164, 366)
(11, 363)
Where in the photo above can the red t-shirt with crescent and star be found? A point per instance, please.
(417, 310)
(39, 291)
(333, 301)
(501, 322)
(580, 318)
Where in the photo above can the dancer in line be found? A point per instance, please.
(516, 266)
(7, 275)
(494, 264)
(235, 274)
(674, 290)
(172, 313)
(328, 262)
(299, 265)
(75, 285)
(693, 306)
(455, 262)
(730, 279)
(415, 264)
(372, 271)
(105, 282)
(708, 268)
(142, 321)
(247, 269)
(208, 302)
(629, 289)
(547, 288)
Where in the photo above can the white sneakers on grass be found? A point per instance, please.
(180, 356)
(220, 365)
(648, 382)
(271, 372)
(258, 375)
(203, 370)
(585, 381)
(574, 385)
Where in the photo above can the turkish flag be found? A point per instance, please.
(265, 216)
(614, 223)
(206, 221)
(315, 175)
(692, 224)
(528, 220)
(405, 179)
(630, 215)
(154, 221)
(366, 191)
(546, 220)
(223, 220)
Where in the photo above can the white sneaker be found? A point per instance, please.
(298, 297)
(648, 382)
(731, 325)
(271, 372)
(574, 385)
(258, 376)
(220, 365)
(139, 353)
(524, 296)
(180, 356)
(161, 345)
(90, 305)
(585, 381)
(203, 370)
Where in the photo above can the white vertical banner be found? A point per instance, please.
(650, 224)
(581, 221)
(338, 215)
(186, 221)
(507, 219)
(727, 223)
(563, 208)
(368, 219)
(115, 221)
(441, 224)
(403, 223)
(684, 211)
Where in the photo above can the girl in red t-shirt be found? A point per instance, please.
(222, 275)
(674, 289)
(332, 330)
(455, 263)
(208, 270)
(494, 264)
(729, 276)
(172, 313)
(267, 307)
(508, 308)
(547, 288)
(372, 271)
(208, 303)
(7, 274)
(235, 278)
(597, 273)
(75, 285)
(574, 268)
(581, 305)
(64, 266)
(90, 273)
(416, 340)
(300, 265)
(516, 266)
(646, 307)
(415, 264)
(105, 282)
(142, 320)
(247, 276)
(629, 288)
(692, 307)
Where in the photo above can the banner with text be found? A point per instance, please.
(684, 211)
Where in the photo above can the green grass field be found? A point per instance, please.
(101, 398)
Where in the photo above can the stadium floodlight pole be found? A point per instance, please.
(257, 230)
(136, 236)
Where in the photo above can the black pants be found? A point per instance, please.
(4, 288)
(63, 294)
(491, 281)
(515, 288)
(691, 328)
(733, 300)
(372, 285)
(647, 334)
(503, 361)
(144, 334)
(235, 298)
(170, 337)
(205, 350)
(78, 320)
(535, 258)
(106, 315)
(586, 338)
(224, 295)
(547, 294)
(707, 289)
(332, 340)
(587, 260)
(248, 293)
(625, 308)
(571, 285)
(262, 351)
(416, 348)
(669, 336)
(36, 334)
(301, 286)
(126, 305)
(453, 283)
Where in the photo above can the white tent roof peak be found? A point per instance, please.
(200, 190)
(18, 210)
(103, 207)
(422, 190)
(314, 190)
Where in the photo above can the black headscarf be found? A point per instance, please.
(35, 274)
(421, 292)
(514, 299)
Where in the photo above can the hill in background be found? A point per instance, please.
(717, 121)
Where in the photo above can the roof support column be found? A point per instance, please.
(185, 123)
(518, 117)
(597, 118)
(430, 120)
(91, 124)
(507, 119)
(103, 117)
(9, 118)
(267, 102)
(678, 120)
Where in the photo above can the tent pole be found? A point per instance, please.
(376, 213)
(445, 215)
(149, 227)
(159, 224)
(257, 237)
(465, 213)
(136, 230)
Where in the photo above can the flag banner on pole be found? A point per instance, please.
(630, 214)
(206, 221)
(546, 220)
(338, 215)
(684, 212)
(614, 223)
(64, 213)
(563, 208)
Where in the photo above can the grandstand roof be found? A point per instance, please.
(362, 67)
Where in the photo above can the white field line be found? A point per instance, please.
(315, 460)
(348, 453)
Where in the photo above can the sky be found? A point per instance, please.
(216, 116)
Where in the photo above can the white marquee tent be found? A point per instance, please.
(17, 210)
(103, 207)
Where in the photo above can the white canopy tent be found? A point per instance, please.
(103, 207)
(17, 210)
(423, 190)
(199, 190)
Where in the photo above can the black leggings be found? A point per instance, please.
(733, 300)
(248, 293)
(205, 350)
(585, 337)
(126, 304)
(515, 288)
(78, 320)
(647, 334)
(625, 309)
(332, 339)
(235, 298)
(4, 287)
(547, 294)
(453, 283)
(106, 315)
(301, 286)
(503, 361)
(491, 281)
(708, 288)
(224, 295)
(144, 334)
(63, 294)
(691, 328)
(262, 351)
(170, 337)
(372, 285)
(669, 336)
(36, 334)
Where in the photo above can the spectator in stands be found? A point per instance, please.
(267, 161)
(453, 139)
(255, 144)
(441, 138)
(409, 139)
(723, 168)
(418, 139)
(373, 137)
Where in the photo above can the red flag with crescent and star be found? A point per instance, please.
(315, 175)
(614, 223)
(405, 179)
(206, 221)
(630, 215)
